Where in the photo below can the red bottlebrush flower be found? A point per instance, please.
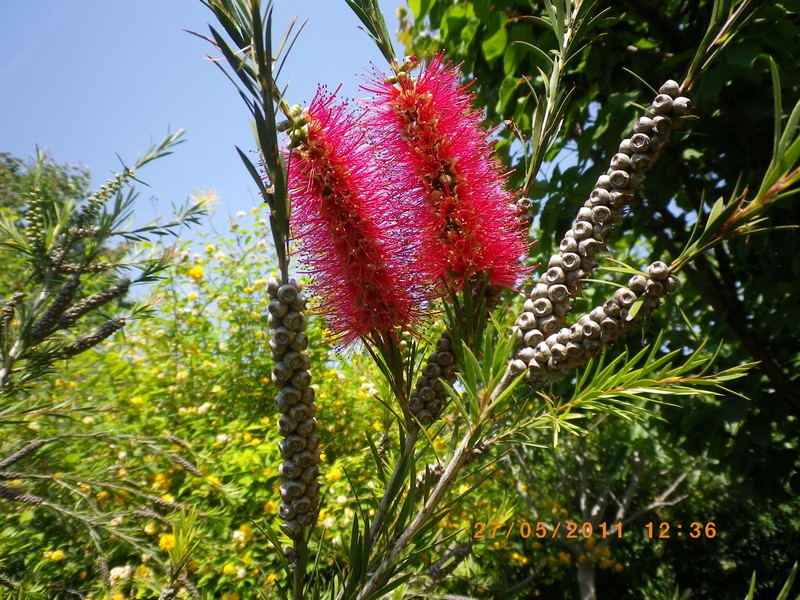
(352, 245)
(441, 154)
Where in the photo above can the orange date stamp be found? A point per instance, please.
(568, 530)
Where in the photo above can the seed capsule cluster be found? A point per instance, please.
(297, 426)
(544, 312)
(572, 346)
(550, 300)
(429, 396)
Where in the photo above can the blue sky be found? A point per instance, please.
(92, 79)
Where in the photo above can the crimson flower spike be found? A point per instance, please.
(350, 237)
(438, 152)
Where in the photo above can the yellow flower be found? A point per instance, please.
(191, 297)
(196, 273)
(230, 596)
(151, 528)
(271, 578)
(166, 542)
(270, 507)
(228, 569)
(55, 555)
(333, 474)
(118, 596)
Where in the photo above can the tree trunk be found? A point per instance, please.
(586, 581)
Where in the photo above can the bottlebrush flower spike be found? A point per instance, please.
(440, 152)
(349, 233)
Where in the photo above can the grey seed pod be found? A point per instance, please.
(524, 204)
(549, 324)
(662, 104)
(288, 397)
(308, 395)
(682, 106)
(637, 284)
(533, 337)
(286, 425)
(600, 214)
(654, 289)
(555, 261)
(301, 411)
(600, 232)
(291, 445)
(527, 306)
(542, 307)
(588, 247)
(583, 229)
(526, 321)
(621, 161)
(309, 474)
(573, 281)
(599, 196)
(283, 336)
(306, 427)
(435, 405)
(671, 284)
(432, 370)
(641, 161)
(588, 263)
(576, 332)
(517, 336)
(558, 352)
(619, 179)
(650, 303)
(636, 180)
(554, 275)
(625, 297)
(569, 262)
(286, 512)
(573, 350)
(289, 470)
(658, 271)
(584, 214)
(299, 303)
(670, 87)
(292, 528)
(303, 504)
(422, 381)
(625, 147)
(287, 293)
(277, 349)
(448, 373)
(568, 244)
(592, 346)
(277, 308)
(300, 342)
(306, 458)
(560, 309)
(312, 442)
(307, 519)
(444, 344)
(609, 325)
(273, 285)
(281, 373)
(657, 143)
(415, 404)
(611, 308)
(294, 321)
(301, 379)
(445, 359)
(425, 417)
(274, 321)
(427, 394)
(562, 335)
(603, 182)
(542, 352)
(312, 490)
(517, 366)
(662, 124)
(618, 199)
(617, 214)
(640, 142)
(558, 293)
(591, 330)
(597, 314)
(296, 361)
(525, 354)
(291, 490)
(643, 125)
(540, 289)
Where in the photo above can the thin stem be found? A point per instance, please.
(397, 474)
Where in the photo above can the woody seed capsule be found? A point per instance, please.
(558, 292)
(662, 104)
(640, 142)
